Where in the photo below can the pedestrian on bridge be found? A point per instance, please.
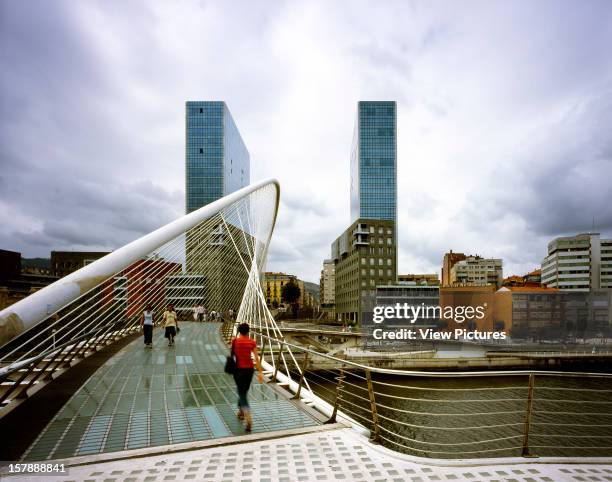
(245, 351)
(147, 326)
(171, 324)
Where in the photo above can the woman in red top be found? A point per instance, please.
(243, 347)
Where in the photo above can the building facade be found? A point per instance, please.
(427, 279)
(327, 287)
(578, 263)
(534, 312)
(477, 271)
(374, 162)
(65, 262)
(217, 161)
(364, 257)
(448, 262)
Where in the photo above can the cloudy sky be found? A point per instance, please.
(504, 118)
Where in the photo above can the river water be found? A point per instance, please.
(477, 417)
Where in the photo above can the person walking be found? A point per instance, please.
(147, 326)
(170, 323)
(245, 351)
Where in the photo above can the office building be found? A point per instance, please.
(477, 271)
(410, 294)
(578, 263)
(327, 288)
(374, 162)
(365, 258)
(365, 254)
(217, 163)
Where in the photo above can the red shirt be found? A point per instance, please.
(243, 346)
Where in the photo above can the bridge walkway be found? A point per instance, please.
(166, 395)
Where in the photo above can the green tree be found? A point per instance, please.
(290, 293)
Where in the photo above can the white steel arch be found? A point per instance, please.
(39, 306)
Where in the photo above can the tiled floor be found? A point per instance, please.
(335, 455)
(144, 398)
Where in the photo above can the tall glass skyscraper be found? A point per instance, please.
(217, 161)
(374, 162)
(217, 164)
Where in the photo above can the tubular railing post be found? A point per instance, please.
(262, 352)
(303, 371)
(332, 419)
(528, 412)
(375, 436)
(278, 362)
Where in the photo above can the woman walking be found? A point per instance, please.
(243, 347)
(147, 326)
(171, 324)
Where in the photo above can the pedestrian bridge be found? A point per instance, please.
(169, 413)
(168, 395)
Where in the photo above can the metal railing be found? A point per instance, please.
(455, 414)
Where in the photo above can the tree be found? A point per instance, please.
(290, 293)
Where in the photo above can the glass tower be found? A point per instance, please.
(217, 161)
(374, 162)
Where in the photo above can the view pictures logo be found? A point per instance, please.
(413, 313)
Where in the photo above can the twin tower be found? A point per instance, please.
(365, 255)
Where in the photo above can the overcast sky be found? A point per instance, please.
(504, 119)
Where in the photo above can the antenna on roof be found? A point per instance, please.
(593, 224)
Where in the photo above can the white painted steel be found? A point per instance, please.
(30, 311)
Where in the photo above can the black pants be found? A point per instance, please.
(148, 333)
(243, 378)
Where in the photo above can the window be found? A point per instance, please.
(201, 110)
(380, 272)
(389, 241)
(201, 151)
(389, 272)
(388, 262)
(380, 262)
(372, 229)
(371, 261)
(380, 230)
(372, 272)
(363, 261)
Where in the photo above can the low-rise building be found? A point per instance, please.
(419, 279)
(65, 262)
(17, 283)
(450, 259)
(477, 271)
(578, 263)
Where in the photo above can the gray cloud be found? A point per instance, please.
(503, 119)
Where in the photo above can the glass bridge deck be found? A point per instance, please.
(166, 395)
